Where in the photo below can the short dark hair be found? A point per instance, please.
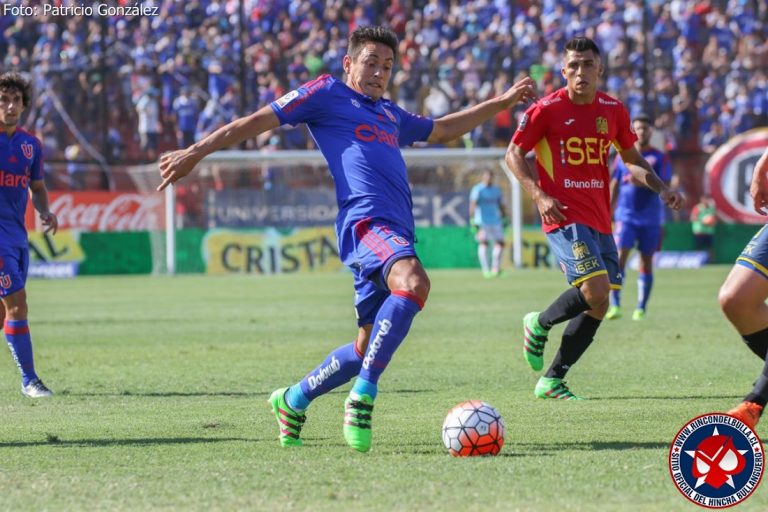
(375, 34)
(12, 80)
(643, 117)
(582, 44)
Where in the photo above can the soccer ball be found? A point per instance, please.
(473, 428)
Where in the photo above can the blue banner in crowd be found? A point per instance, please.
(248, 208)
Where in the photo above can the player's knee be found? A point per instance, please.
(596, 293)
(731, 302)
(16, 312)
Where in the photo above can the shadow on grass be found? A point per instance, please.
(552, 449)
(592, 446)
(53, 440)
(670, 397)
(164, 394)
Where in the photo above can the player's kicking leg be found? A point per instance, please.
(289, 404)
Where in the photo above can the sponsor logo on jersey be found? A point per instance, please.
(590, 150)
(287, 98)
(586, 184)
(601, 125)
(570, 122)
(603, 101)
(370, 133)
(8, 179)
(384, 327)
(716, 461)
(355, 103)
(550, 101)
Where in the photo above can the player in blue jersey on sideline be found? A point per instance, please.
(638, 216)
(360, 134)
(21, 172)
(486, 212)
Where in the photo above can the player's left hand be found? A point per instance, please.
(521, 92)
(672, 198)
(50, 222)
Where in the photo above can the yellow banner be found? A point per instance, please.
(270, 251)
(64, 246)
(536, 253)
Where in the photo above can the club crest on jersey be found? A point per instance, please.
(580, 250)
(601, 124)
(287, 98)
(716, 461)
(28, 150)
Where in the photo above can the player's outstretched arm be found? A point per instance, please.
(643, 172)
(759, 186)
(457, 124)
(40, 202)
(550, 209)
(177, 164)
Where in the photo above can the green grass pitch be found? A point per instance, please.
(161, 386)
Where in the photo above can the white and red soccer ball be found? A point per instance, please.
(473, 428)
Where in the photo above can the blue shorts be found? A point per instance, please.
(14, 264)
(647, 238)
(584, 252)
(370, 252)
(755, 253)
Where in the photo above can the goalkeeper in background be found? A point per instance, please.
(360, 134)
(487, 215)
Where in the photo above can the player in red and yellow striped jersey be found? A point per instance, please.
(571, 132)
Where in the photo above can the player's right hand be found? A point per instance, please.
(551, 210)
(175, 165)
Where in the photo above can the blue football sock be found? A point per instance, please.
(616, 298)
(644, 285)
(390, 327)
(20, 342)
(338, 368)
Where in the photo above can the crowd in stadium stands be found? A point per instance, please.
(127, 88)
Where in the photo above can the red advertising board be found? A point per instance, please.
(730, 174)
(103, 211)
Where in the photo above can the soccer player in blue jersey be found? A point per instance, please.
(21, 173)
(486, 211)
(638, 216)
(360, 134)
(743, 295)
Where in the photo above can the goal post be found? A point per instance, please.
(451, 171)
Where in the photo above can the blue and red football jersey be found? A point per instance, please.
(637, 203)
(21, 161)
(360, 139)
